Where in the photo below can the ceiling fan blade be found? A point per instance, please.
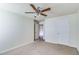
(33, 7)
(43, 14)
(47, 9)
(30, 12)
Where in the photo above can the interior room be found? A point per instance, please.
(39, 29)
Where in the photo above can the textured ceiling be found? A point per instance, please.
(57, 9)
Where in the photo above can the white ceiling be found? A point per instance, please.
(57, 9)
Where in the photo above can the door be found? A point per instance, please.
(62, 30)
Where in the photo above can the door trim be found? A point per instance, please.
(35, 27)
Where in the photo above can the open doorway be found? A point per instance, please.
(41, 32)
(38, 31)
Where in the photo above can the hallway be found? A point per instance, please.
(43, 48)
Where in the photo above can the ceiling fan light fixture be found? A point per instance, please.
(38, 10)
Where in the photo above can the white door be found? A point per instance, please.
(62, 30)
(57, 30)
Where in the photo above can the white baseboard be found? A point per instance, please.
(78, 49)
(67, 44)
(14, 47)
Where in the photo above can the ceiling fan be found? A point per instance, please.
(38, 11)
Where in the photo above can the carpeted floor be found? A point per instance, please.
(43, 48)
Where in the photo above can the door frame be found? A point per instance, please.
(35, 21)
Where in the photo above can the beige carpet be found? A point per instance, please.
(43, 48)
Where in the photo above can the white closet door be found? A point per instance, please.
(57, 30)
(62, 30)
